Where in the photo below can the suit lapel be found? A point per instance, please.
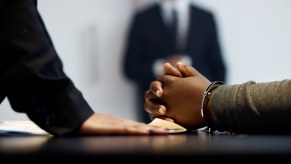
(164, 32)
(194, 29)
(158, 12)
(191, 28)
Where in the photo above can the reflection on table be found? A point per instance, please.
(192, 145)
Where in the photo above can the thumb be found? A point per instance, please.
(186, 70)
(171, 70)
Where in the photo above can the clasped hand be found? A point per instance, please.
(177, 96)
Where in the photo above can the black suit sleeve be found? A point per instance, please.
(32, 74)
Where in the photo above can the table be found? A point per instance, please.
(196, 145)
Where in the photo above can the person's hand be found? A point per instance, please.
(177, 96)
(104, 124)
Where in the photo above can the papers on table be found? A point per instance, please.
(17, 127)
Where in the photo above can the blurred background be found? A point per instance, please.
(89, 36)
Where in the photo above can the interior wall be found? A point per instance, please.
(255, 36)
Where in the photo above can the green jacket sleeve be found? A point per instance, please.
(253, 107)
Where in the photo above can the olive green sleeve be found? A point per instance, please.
(253, 107)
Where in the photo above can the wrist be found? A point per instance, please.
(206, 112)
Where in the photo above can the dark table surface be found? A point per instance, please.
(197, 145)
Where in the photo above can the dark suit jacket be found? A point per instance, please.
(149, 40)
(31, 73)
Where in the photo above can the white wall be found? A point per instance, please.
(256, 37)
(89, 37)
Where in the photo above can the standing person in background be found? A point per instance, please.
(33, 80)
(171, 31)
